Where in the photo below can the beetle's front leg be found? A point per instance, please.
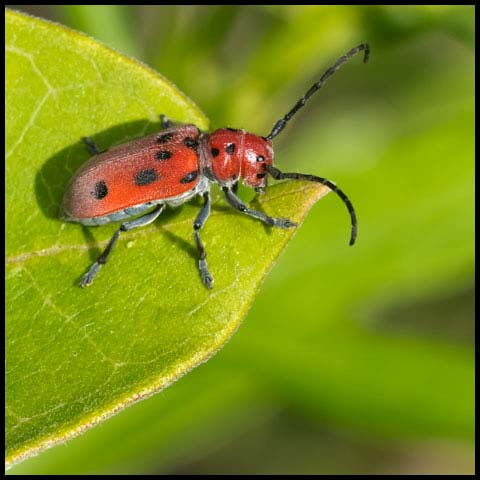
(236, 203)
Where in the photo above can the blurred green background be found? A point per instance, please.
(352, 360)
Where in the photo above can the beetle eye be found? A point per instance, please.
(260, 158)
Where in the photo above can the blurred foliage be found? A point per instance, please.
(366, 349)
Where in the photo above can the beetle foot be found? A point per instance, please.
(87, 279)
(207, 279)
(284, 223)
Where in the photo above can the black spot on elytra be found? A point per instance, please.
(145, 177)
(215, 152)
(230, 148)
(260, 158)
(166, 137)
(190, 143)
(163, 155)
(101, 190)
(189, 177)
(261, 175)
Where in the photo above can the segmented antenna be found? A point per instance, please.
(280, 125)
(278, 175)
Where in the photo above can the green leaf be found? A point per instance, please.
(109, 23)
(77, 356)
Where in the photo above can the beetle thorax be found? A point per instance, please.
(228, 155)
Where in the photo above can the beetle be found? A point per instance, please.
(176, 164)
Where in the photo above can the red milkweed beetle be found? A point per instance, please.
(171, 167)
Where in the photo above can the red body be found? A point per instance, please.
(248, 152)
(174, 165)
(168, 167)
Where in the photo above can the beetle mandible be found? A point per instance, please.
(176, 164)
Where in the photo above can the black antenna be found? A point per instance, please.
(280, 125)
(278, 175)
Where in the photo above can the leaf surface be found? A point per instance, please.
(76, 356)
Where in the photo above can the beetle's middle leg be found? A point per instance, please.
(165, 121)
(199, 222)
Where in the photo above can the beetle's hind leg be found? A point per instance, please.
(87, 279)
(91, 146)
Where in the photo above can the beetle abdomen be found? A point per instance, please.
(134, 176)
(113, 217)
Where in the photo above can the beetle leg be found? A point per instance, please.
(87, 279)
(236, 203)
(92, 147)
(165, 121)
(199, 222)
